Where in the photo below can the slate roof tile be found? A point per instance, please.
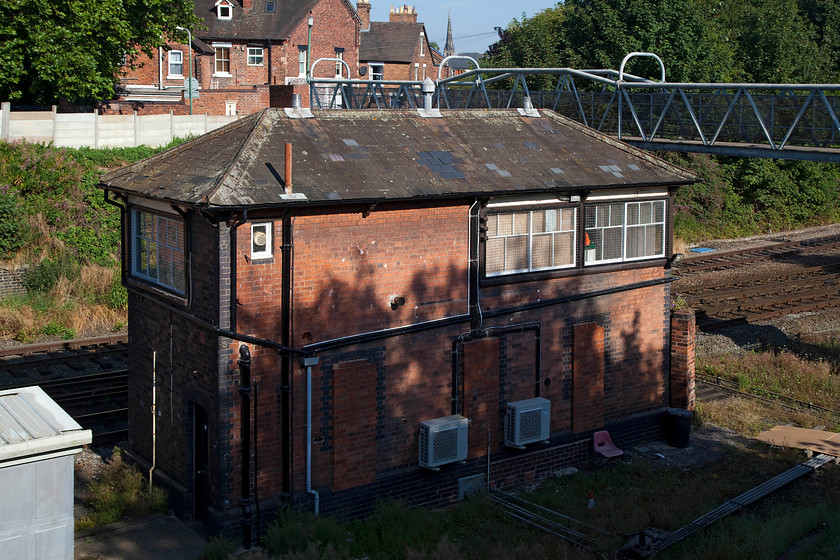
(405, 156)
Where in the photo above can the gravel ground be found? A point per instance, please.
(780, 332)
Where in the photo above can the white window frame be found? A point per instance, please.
(170, 62)
(268, 229)
(255, 53)
(339, 67)
(563, 228)
(422, 42)
(377, 70)
(216, 47)
(618, 217)
(224, 10)
(158, 243)
(302, 50)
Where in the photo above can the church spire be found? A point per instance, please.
(449, 47)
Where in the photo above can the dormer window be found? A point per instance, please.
(224, 9)
(269, 7)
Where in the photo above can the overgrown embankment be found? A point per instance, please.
(55, 223)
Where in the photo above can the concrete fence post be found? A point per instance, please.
(96, 128)
(5, 109)
(136, 130)
(54, 123)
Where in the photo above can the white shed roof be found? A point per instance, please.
(32, 424)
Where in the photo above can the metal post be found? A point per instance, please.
(309, 22)
(245, 439)
(189, 77)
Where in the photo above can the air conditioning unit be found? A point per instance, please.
(443, 440)
(527, 421)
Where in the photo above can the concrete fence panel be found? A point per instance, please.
(103, 131)
(75, 130)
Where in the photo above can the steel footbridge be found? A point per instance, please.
(785, 121)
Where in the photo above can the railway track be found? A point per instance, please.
(88, 378)
(793, 284)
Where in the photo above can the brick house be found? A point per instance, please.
(384, 296)
(394, 50)
(252, 55)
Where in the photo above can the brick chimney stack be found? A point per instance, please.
(363, 9)
(403, 14)
(247, 4)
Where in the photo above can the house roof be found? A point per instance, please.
(256, 23)
(389, 41)
(370, 155)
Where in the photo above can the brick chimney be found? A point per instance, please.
(403, 14)
(247, 5)
(363, 8)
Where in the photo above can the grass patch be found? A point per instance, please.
(120, 493)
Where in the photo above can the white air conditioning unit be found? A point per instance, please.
(527, 421)
(443, 440)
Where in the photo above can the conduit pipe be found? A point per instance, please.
(245, 442)
(308, 362)
(154, 402)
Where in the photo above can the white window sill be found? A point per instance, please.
(256, 65)
(175, 77)
(223, 75)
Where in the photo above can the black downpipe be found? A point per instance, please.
(125, 234)
(256, 466)
(232, 250)
(286, 365)
(245, 436)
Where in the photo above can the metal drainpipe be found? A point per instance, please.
(285, 364)
(309, 362)
(245, 441)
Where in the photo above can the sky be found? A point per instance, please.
(473, 21)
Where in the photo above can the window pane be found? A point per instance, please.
(612, 243)
(635, 242)
(520, 223)
(632, 214)
(541, 251)
(564, 249)
(645, 213)
(538, 222)
(589, 216)
(505, 224)
(659, 211)
(494, 261)
(516, 253)
(567, 218)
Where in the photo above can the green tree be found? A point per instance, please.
(683, 33)
(532, 43)
(73, 49)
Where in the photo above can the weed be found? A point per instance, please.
(219, 548)
(121, 493)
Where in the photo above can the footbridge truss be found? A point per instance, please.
(786, 121)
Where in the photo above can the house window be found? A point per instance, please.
(530, 240)
(255, 56)
(269, 7)
(176, 64)
(376, 71)
(339, 67)
(422, 41)
(157, 250)
(302, 60)
(624, 231)
(261, 240)
(224, 10)
(222, 60)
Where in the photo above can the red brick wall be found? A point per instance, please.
(588, 377)
(481, 394)
(354, 424)
(682, 360)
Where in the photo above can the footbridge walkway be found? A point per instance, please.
(786, 121)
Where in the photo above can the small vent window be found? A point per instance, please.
(261, 240)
